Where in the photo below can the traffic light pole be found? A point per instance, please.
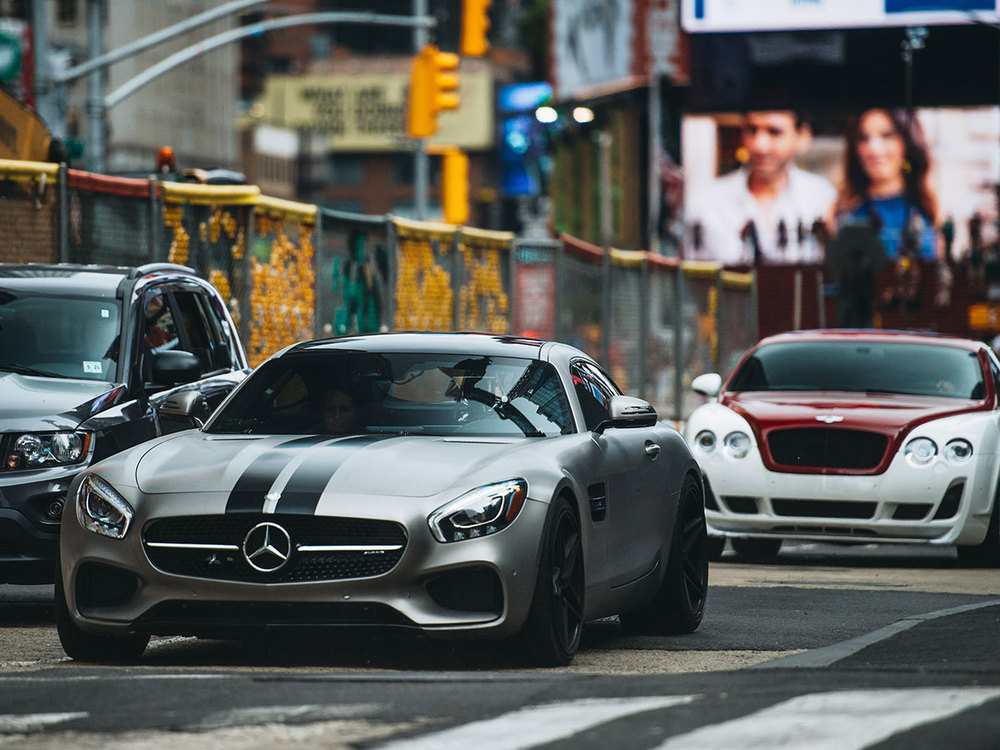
(421, 160)
(45, 83)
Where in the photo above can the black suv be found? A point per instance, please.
(94, 359)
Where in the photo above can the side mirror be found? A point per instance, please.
(189, 405)
(174, 367)
(626, 411)
(707, 385)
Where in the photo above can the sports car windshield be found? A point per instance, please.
(58, 336)
(351, 392)
(866, 367)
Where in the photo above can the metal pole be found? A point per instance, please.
(604, 180)
(63, 215)
(678, 341)
(421, 162)
(653, 185)
(46, 100)
(95, 88)
(234, 35)
(645, 281)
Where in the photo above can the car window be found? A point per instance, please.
(400, 392)
(75, 337)
(197, 335)
(222, 356)
(863, 366)
(159, 328)
(593, 393)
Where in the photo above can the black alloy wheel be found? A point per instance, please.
(679, 605)
(554, 627)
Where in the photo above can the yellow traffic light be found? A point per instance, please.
(475, 24)
(433, 89)
(455, 186)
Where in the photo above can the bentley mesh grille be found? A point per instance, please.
(216, 547)
(826, 448)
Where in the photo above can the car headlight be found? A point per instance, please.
(958, 450)
(481, 512)
(35, 450)
(101, 509)
(737, 443)
(920, 451)
(705, 440)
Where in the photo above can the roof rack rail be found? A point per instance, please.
(149, 268)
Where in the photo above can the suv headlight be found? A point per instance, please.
(481, 512)
(35, 450)
(101, 509)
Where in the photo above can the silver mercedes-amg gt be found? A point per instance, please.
(454, 484)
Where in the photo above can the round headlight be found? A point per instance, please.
(958, 450)
(67, 447)
(737, 443)
(705, 440)
(920, 451)
(30, 448)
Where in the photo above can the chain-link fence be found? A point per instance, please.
(30, 212)
(291, 271)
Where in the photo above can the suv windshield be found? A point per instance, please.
(873, 367)
(59, 336)
(349, 392)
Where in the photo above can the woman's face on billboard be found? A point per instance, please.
(881, 150)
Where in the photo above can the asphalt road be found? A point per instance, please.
(826, 648)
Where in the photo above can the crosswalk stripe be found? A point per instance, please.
(22, 723)
(535, 725)
(847, 720)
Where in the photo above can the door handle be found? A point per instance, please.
(652, 449)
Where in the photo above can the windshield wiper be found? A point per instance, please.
(25, 370)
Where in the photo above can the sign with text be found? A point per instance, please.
(367, 112)
(782, 15)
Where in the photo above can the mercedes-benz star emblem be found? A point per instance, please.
(829, 418)
(267, 547)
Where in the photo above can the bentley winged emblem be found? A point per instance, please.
(829, 418)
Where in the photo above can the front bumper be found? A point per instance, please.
(481, 587)
(30, 508)
(940, 504)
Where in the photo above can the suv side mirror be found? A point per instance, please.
(626, 411)
(174, 367)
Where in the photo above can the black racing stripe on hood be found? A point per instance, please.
(302, 493)
(247, 495)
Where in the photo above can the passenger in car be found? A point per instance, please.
(339, 412)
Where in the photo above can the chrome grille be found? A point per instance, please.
(324, 548)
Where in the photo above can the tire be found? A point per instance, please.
(554, 626)
(679, 605)
(986, 554)
(757, 550)
(101, 649)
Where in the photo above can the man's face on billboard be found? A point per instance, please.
(772, 142)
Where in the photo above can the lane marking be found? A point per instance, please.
(24, 723)
(536, 725)
(828, 655)
(298, 715)
(848, 720)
